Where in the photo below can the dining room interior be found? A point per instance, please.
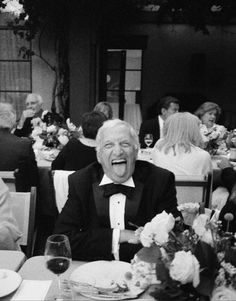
(129, 54)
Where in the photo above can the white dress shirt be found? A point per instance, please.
(116, 212)
(161, 125)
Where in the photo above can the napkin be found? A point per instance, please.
(32, 290)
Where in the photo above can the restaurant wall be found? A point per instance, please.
(193, 65)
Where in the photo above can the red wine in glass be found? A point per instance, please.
(58, 265)
(57, 257)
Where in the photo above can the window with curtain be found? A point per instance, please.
(15, 71)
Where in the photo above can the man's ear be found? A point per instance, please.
(98, 156)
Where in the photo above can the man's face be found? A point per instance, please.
(33, 104)
(173, 108)
(117, 154)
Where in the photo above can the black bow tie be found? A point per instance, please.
(110, 189)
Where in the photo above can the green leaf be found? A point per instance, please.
(151, 254)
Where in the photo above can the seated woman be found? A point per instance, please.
(105, 108)
(9, 232)
(78, 153)
(16, 153)
(209, 113)
(179, 150)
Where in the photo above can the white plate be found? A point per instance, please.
(100, 279)
(9, 282)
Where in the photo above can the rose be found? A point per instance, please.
(223, 294)
(36, 132)
(185, 268)
(36, 122)
(63, 139)
(200, 228)
(157, 230)
(51, 129)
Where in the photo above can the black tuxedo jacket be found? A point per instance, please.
(150, 126)
(85, 216)
(228, 176)
(17, 153)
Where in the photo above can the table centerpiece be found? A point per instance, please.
(191, 264)
(214, 139)
(49, 131)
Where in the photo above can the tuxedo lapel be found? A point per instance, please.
(132, 205)
(102, 205)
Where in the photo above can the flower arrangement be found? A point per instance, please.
(197, 263)
(49, 131)
(214, 139)
(231, 139)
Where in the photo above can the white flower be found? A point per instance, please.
(63, 139)
(189, 207)
(185, 268)
(51, 129)
(62, 131)
(36, 132)
(200, 228)
(157, 230)
(223, 294)
(36, 122)
(44, 113)
(70, 125)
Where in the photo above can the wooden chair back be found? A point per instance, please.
(194, 189)
(23, 207)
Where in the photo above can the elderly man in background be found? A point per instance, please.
(16, 153)
(106, 200)
(9, 232)
(168, 105)
(33, 109)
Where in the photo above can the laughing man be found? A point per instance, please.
(108, 198)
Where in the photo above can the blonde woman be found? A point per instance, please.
(180, 148)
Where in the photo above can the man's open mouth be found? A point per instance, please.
(118, 161)
(119, 166)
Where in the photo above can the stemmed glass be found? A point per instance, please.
(57, 257)
(148, 139)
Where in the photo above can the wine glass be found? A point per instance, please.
(57, 256)
(148, 139)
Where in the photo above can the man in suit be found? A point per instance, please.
(16, 153)
(106, 200)
(168, 105)
(9, 232)
(33, 109)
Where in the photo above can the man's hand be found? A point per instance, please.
(129, 236)
(25, 114)
(224, 163)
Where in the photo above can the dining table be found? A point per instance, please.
(34, 272)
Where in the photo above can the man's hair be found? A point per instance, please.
(109, 124)
(165, 102)
(7, 116)
(105, 108)
(206, 107)
(34, 96)
(91, 122)
(180, 130)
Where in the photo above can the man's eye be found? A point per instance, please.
(108, 145)
(125, 144)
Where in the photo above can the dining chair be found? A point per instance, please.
(194, 188)
(9, 179)
(23, 207)
(61, 187)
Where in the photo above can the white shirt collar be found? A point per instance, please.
(106, 180)
(161, 124)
